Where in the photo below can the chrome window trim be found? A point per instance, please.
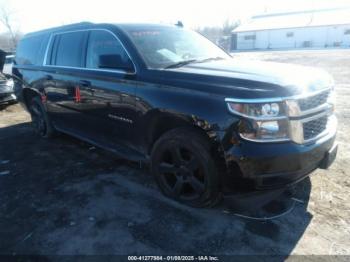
(89, 69)
(85, 68)
(47, 49)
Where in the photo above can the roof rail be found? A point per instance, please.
(75, 25)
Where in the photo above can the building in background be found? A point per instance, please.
(308, 29)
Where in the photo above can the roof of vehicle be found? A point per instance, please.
(140, 26)
(81, 25)
(86, 25)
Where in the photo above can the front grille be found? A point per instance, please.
(313, 101)
(315, 127)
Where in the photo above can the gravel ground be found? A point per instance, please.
(63, 196)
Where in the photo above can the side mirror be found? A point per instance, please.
(115, 62)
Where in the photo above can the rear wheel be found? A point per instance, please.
(184, 168)
(40, 119)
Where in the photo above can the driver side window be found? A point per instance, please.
(106, 52)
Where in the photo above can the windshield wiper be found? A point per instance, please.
(181, 63)
(186, 62)
(211, 59)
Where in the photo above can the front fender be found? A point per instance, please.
(193, 105)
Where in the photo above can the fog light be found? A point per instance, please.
(270, 127)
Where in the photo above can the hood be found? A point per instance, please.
(270, 77)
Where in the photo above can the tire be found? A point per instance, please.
(40, 119)
(184, 168)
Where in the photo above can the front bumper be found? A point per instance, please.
(270, 166)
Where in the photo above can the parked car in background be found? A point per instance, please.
(208, 124)
(6, 90)
(7, 70)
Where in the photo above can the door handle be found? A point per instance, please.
(48, 77)
(84, 83)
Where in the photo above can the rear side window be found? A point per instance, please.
(68, 49)
(105, 51)
(30, 50)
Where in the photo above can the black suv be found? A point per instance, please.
(209, 124)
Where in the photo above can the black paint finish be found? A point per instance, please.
(125, 112)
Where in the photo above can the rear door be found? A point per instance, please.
(65, 69)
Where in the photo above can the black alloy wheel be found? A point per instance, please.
(184, 169)
(40, 119)
(182, 173)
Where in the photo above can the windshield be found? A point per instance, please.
(165, 47)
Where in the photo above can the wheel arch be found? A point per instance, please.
(28, 94)
(160, 123)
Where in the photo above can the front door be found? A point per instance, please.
(109, 87)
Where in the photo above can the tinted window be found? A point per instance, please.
(30, 50)
(105, 51)
(69, 49)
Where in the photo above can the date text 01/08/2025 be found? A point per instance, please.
(173, 258)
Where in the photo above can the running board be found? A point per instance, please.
(118, 150)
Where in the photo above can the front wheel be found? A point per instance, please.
(184, 168)
(40, 119)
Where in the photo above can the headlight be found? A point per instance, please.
(258, 110)
(262, 122)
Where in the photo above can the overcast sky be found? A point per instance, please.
(31, 15)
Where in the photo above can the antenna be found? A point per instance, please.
(179, 24)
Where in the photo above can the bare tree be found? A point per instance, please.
(220, 35)
(6, 18)
(228, 26)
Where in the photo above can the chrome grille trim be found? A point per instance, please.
(297, 127)
(314, 113)
(314, 101)
(315, 127)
